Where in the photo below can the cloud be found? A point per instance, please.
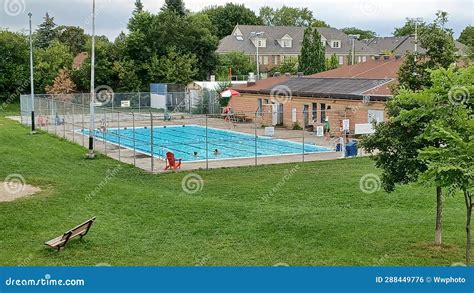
(113, 15)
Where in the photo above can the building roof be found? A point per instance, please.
(402, 45)
(382, 68)
(272, 34)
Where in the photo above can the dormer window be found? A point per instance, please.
(239, 38)
(262, 43)
(335, 44)
(286, 41)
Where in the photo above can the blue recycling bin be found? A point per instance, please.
(351, 149)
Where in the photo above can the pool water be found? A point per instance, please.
(184, 141)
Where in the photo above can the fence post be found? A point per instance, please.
(73, 132)
(139, 101)
(134, 151)
(82, 125)
(207, 146)
(105, 132)
(64, 119)
(304, 125)
(56, 116)
(151, 142)
(256, 139)
(118, 134)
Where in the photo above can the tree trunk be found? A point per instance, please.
(468, 199)
(439, 216)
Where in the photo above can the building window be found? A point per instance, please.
(266, 101)
(265, 60)
(315, 112)
(336, 44)
(364, 58)
(275, 59)
(260, 59)
(259, 104)
(323, 113)
(359, 59)
(341, 60)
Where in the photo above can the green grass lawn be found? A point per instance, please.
(318, 217)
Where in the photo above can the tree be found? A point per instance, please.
(286, 16)
(408, 28)
(73, 37)
(225, 18)
(14, 64)
(238, 62)
(440, 52)
(289, 65)
(175, 6)
(177, 68)
(48, 62)
(449, 155)
(45, 34)
(467, 36)
(138, 7)
(363, 34)
(312, 59)
(62, 84)
(332, 63)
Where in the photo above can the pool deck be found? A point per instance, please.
(157, 165)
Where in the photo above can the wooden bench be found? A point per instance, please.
(80, 230)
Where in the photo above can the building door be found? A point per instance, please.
(277, 114)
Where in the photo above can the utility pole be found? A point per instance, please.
(91, 154)
(32, 84)
(416, 21)
(353, 38)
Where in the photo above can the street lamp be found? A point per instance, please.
(353, 38)
(33, 128)
(256, 36)
(92, 98)
(416, 21)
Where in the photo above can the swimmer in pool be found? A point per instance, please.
(216, 152)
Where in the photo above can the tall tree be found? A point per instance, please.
(467, 36)
(363, 34)
(48, 62)
(408, 28)
(138, 6)
(312, 59)
(14, 77)
(176, 6)
(286, 16)
(332, 63)
(62, 84)
(73, 37)
(45, 34)
(225, 18)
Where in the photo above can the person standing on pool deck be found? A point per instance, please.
(327, 128)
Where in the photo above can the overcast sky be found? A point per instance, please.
(380, 16)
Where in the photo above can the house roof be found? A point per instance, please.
(274, 33)
(402, 45)
(382, 68)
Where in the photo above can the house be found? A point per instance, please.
(355, 92)
(402, 45)
(280, 42)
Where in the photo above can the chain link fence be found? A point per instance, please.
(202, 139)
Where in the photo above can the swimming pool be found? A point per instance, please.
(185, 141)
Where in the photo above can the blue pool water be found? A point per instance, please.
(183, 141)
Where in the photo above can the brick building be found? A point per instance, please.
(354, 92)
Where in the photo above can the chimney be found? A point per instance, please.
(277, 74)
(398, 56)
(300, 74)
(251, 79)
(386, 57)
(377, 57)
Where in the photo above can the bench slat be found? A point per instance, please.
(80, 230)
